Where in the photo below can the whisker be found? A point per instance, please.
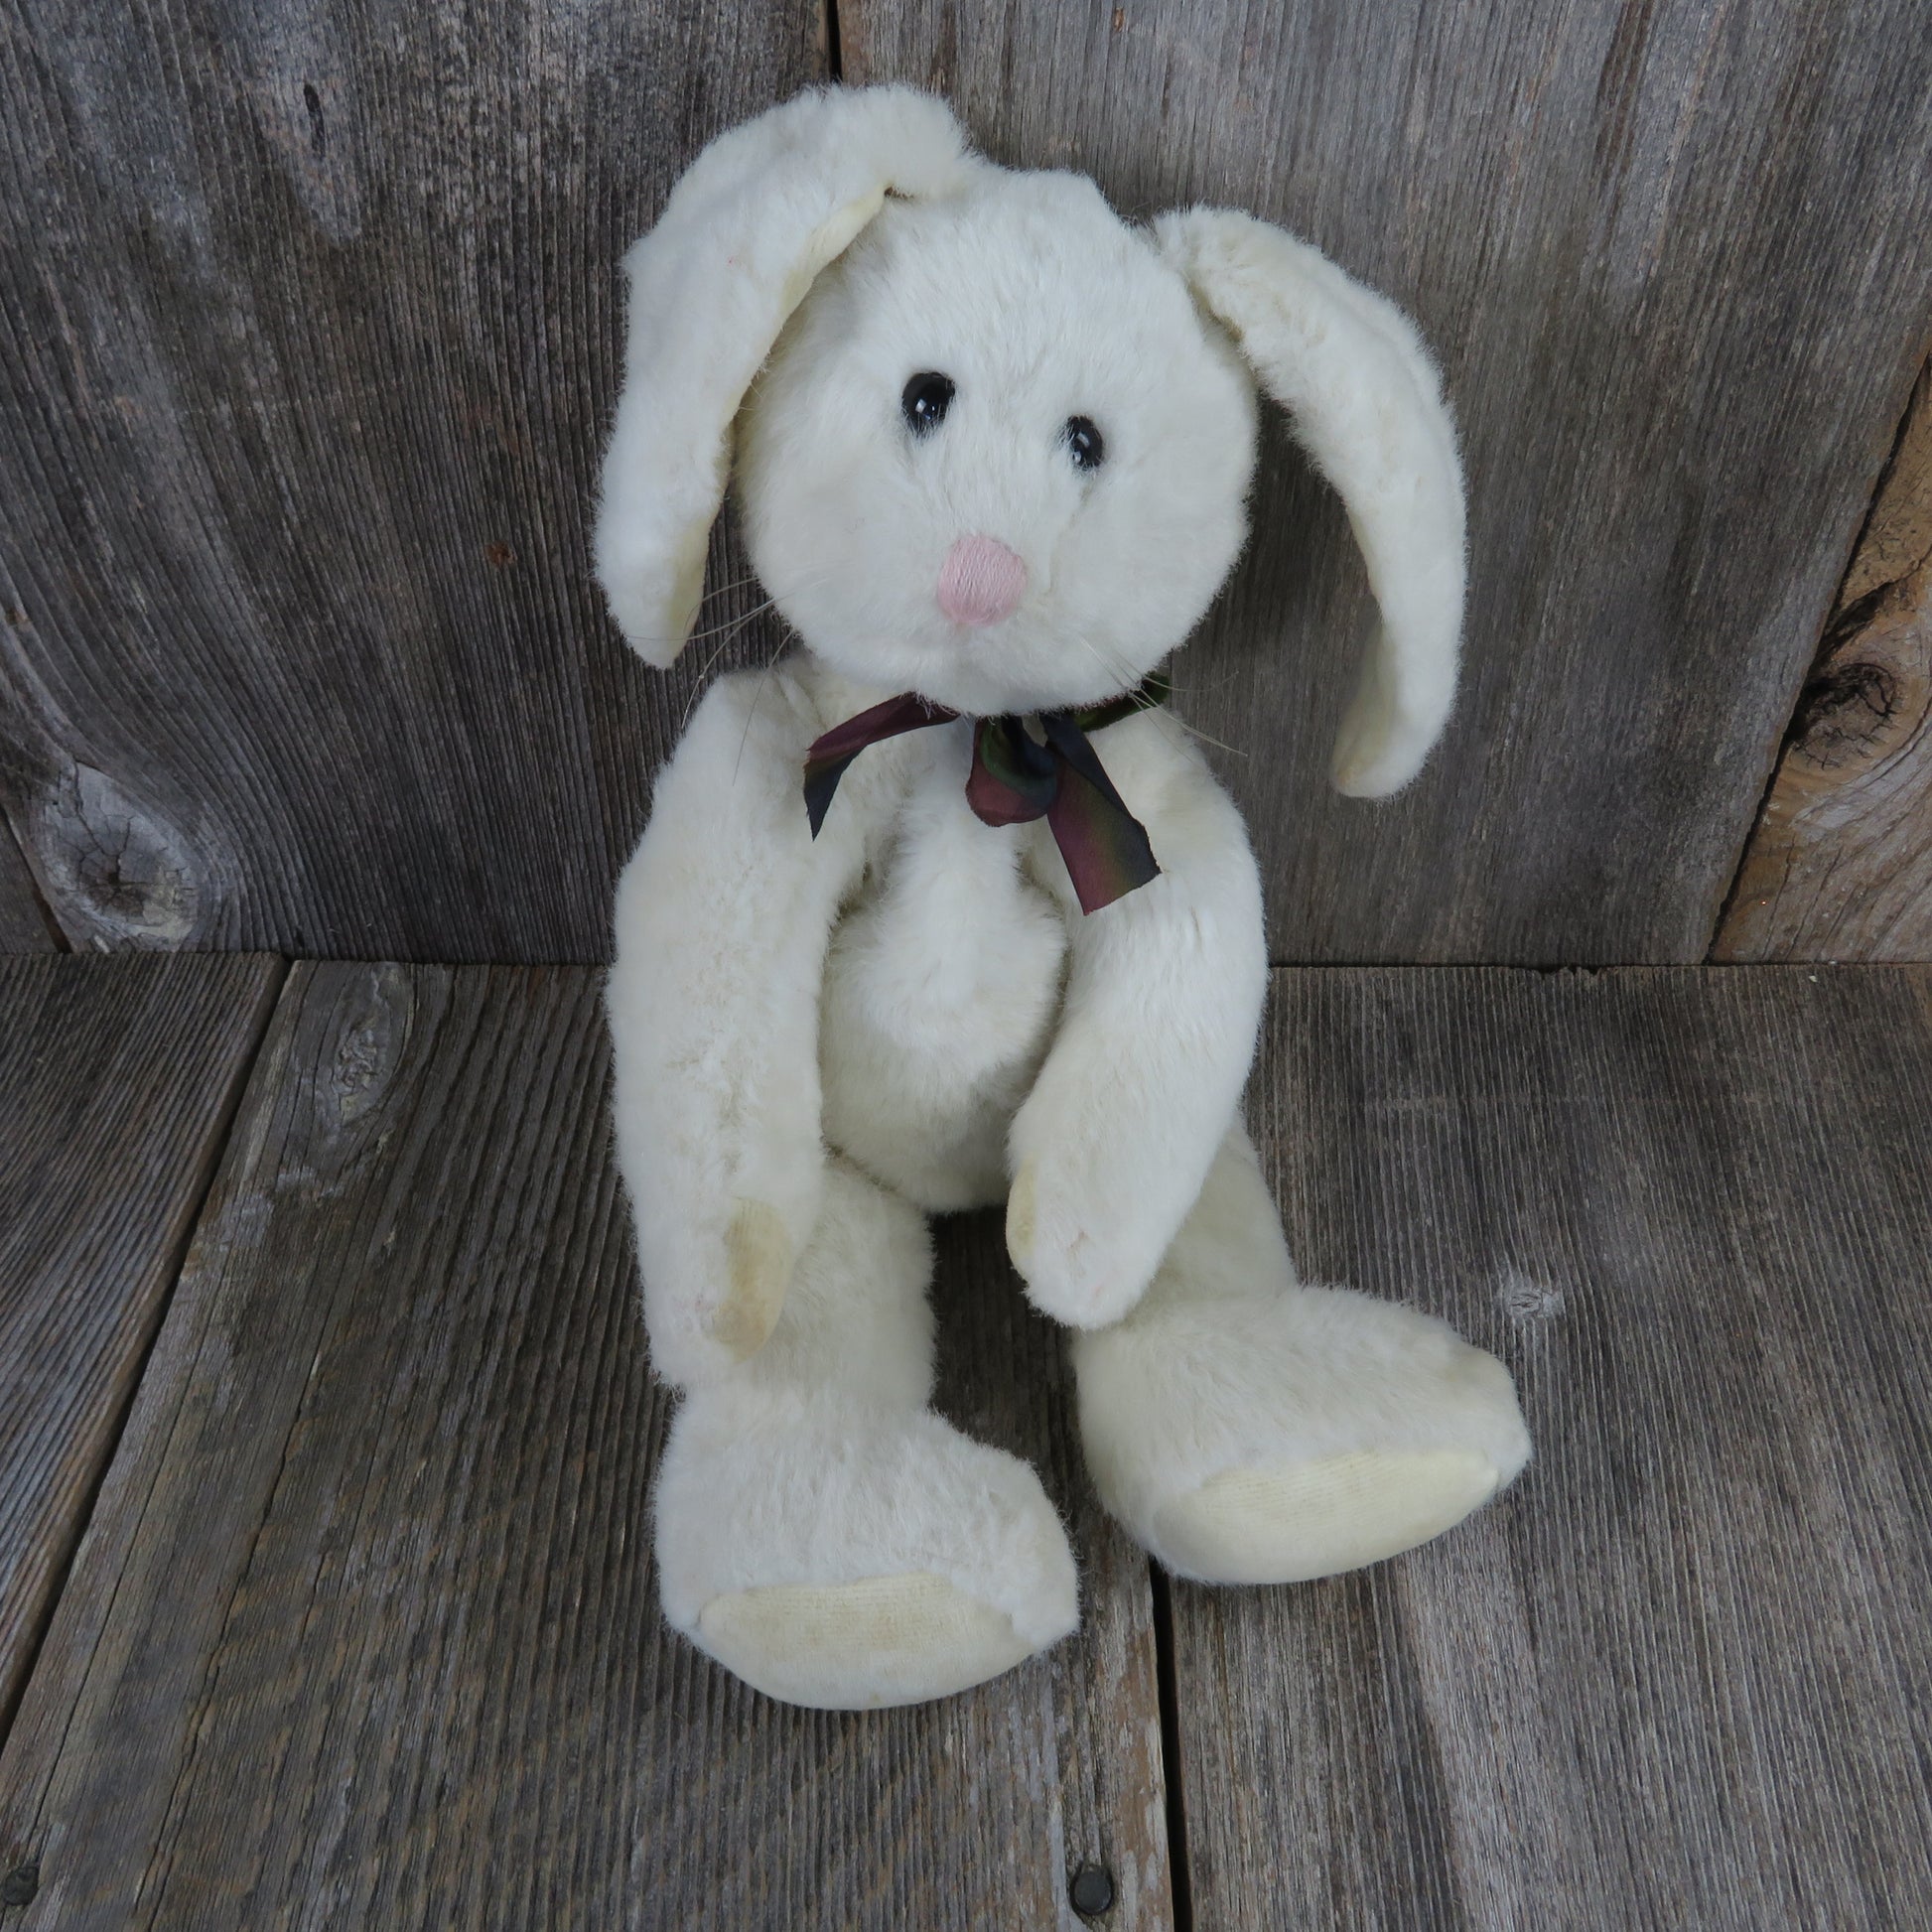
(1117, 671)
(1160, 713)
(736, 583)
(1194, 731)
(1194, 686)
(723, 643)
(810, 580)
(733, 624)
(745, 737)
(698, 683)
(731, 631)
(1107, 661)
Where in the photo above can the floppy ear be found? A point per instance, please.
(1368, 407)
(754, 219)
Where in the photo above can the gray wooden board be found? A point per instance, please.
(310, 323)
(365, 1631)
(116, 1080)
(1840, 862)
(1674, 255)
(23, 920)
(1679, 1676)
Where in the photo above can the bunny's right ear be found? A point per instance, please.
(754, 219)
(1367, 405)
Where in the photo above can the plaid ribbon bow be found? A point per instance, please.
(1016, 778)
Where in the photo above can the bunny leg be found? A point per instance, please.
(819, 1530)
(1249, 1429)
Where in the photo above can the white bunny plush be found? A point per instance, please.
(992, 446)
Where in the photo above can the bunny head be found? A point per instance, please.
(997, 458)
(993, 444)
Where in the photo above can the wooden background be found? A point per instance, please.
(308, 333)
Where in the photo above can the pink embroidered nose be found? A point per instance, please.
(981, 581)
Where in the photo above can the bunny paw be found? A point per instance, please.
(1084, 1264)
(758, 1267)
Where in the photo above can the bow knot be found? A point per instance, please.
(1017, 777)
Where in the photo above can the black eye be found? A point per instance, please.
(924, 401)
(1084, 442)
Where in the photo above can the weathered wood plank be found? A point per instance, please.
(1674, 256)
(1678, 1677)
(117, 1077)
(1840, 866)
(309, 322)
(23, 919)
(310, 329)
(366, 1630)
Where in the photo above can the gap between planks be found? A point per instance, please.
(123, 1268)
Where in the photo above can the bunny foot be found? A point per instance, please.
(1248, 1429)
(1333, 1432)
(1287, 1521)
(855, 1562)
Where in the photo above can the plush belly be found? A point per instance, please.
(940, 996)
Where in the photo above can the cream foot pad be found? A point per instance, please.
(1286, 1522)
(861, 1645)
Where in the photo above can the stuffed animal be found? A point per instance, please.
(946, 908)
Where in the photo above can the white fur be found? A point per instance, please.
(817, 1038)
(1040, 304)
(1157, 1033)
(746, 229)
(1230, 1363)
(1367, 404)
(817, 1462)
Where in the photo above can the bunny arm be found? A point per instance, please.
(722, 918)
(1163, 1005)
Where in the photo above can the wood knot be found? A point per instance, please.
(1522, 1297)
(1845, 711)
(116, 862)
(371, 1023)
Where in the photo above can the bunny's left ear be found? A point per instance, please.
(1368, 407)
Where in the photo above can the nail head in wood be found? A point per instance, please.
(1092, 1890)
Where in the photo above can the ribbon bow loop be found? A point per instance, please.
(1014, 778)
(1018, 777)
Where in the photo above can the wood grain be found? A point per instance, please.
(1674, 257)
(366, 1631)
(117, 1077)
(309, 321)
(1677, 1676)
(23, 924)
(1840, 866)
